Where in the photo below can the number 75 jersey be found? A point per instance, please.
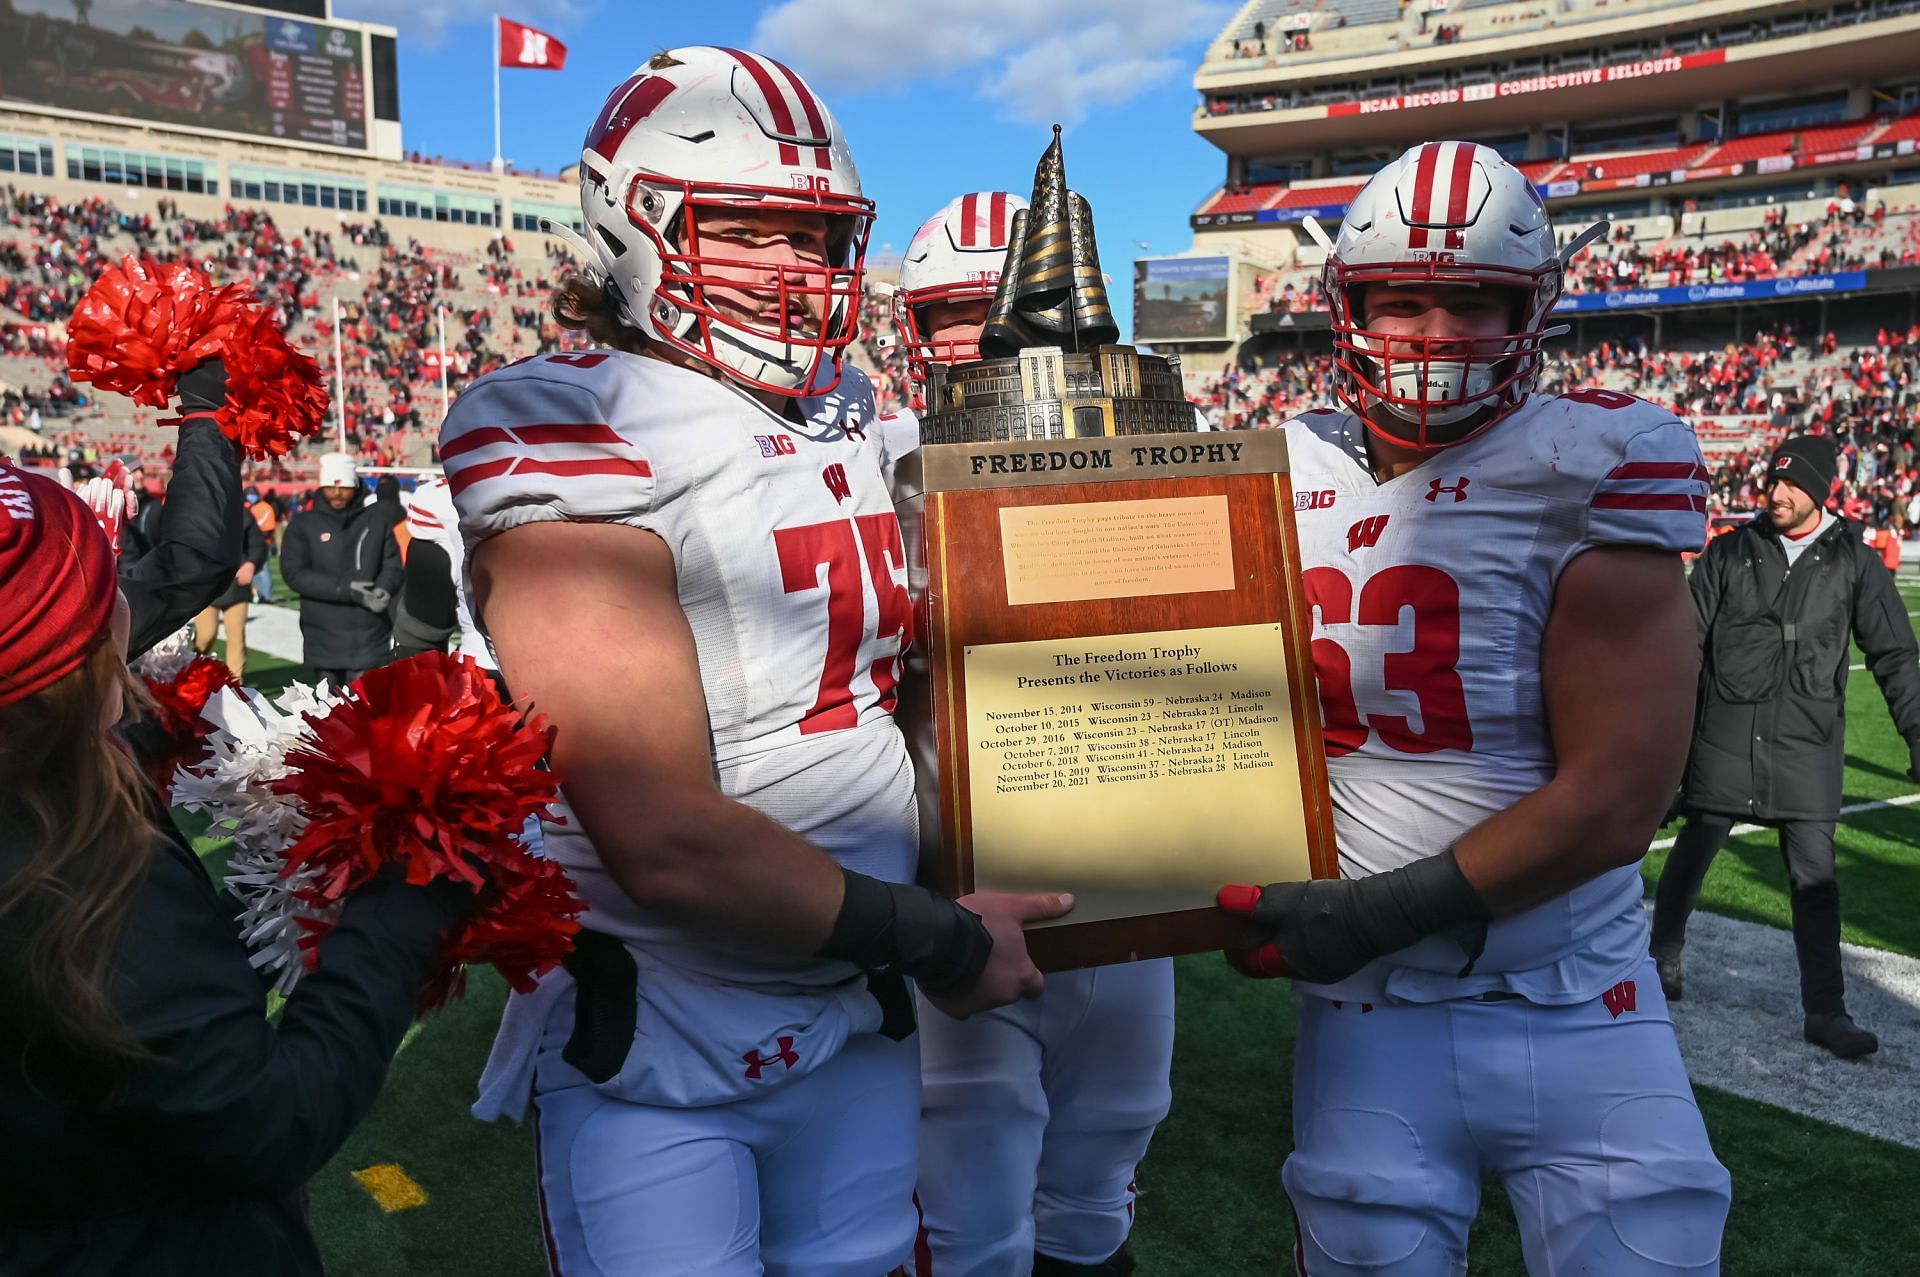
(1429, 596)
(788, 565)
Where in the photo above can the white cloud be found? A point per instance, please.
(1037, 61)
(424, 23)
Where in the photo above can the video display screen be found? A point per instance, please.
(1180, 299)
(171, 62)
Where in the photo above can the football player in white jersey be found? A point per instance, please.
(1506, 657)
(1033, 1117)
(724, 1078)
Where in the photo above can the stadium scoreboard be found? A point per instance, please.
(254, 72)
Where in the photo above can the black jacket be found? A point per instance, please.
(196, 537)
(196, 1166)
(255, 552)
(1769, 736)
(324, 551)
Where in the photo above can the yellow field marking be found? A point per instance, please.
(391, 1188)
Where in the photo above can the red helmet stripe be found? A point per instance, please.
(997, 226)
(782, 112)
(816, 121)
(626, 106)
(1422, 194)
(1463, 157)
(969, 219)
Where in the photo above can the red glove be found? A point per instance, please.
(1256, 961)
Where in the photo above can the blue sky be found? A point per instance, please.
(937, 96)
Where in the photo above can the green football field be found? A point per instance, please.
(422, 1188)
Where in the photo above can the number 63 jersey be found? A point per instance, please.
(1429, 597)
(790, 570)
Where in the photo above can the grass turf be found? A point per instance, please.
(1211, 1202)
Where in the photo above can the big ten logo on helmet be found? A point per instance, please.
(1320, 500)
(810, 181)
(775, 445)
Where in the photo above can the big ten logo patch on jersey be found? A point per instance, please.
(1456, 490)
(1366, 533)
(776, 445)
(1320, 500)
(784, 1055)
(835, 476)
(1621, 997)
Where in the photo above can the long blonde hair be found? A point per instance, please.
(79, 837)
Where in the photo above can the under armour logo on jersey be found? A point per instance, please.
(783, 1055)
(1366, 532)
(836, 477)
(775, 445)
(1321, 500)
(1620, 997)
(1457, 491)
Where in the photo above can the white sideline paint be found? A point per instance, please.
(275, 630)
(1904, 800)
(1739, 1028)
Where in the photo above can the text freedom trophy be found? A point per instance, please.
(1111, 691)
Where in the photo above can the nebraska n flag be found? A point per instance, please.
(522, 46)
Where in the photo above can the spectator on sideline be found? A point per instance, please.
(267, 519)
(157, 1121)
(228, 613)
(341, 559)
(1777, 600)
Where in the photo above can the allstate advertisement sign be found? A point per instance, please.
(1704, 294)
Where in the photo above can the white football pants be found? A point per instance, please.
(1584, 1111)
(1033, 1118)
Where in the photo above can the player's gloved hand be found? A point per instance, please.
(1323, 932)
(203, 387)
(370, 596)
(966, 955)
(1009, 974)
(112, 499)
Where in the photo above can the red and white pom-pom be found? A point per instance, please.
(144, 323)
(421, 765)
(246, 753)
(180, 688)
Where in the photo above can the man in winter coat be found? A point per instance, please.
(1778, 600)
(340, 557)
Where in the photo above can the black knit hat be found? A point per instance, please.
(1809, 462)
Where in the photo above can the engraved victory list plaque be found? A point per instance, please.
(1112, 690)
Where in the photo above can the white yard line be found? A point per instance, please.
(275, 630)
(1904, 800)
(1739, 1029)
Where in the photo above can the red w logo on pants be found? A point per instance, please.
(1620, 998)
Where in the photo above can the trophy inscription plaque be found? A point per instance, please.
(1111, 691)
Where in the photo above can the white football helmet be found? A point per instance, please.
(700, 129)
(1443, 213)
(956, 254)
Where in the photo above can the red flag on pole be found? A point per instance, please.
(522, 46)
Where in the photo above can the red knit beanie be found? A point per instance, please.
(57, 583)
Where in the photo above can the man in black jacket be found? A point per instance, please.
(341, 558)
(1777, 601)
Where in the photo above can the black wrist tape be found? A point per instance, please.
(887, 926)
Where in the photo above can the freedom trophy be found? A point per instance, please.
(1111, 691)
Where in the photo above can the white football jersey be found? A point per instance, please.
(791, 573)
(431, 517)
(1430, 596)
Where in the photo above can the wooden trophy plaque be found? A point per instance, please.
(1113, 693)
